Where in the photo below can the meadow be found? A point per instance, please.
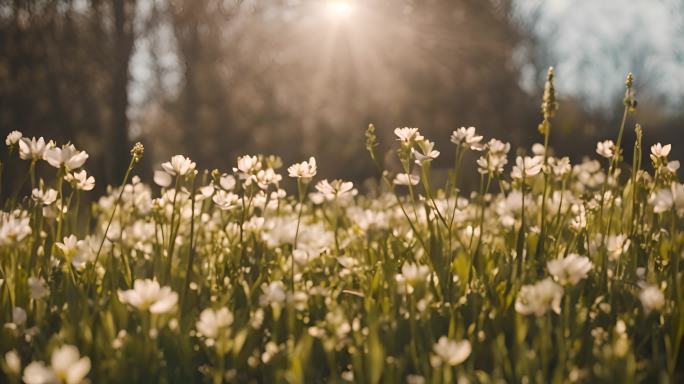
(549, 272)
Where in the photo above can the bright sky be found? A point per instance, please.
(594, 43)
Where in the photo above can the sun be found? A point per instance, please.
(340, 9)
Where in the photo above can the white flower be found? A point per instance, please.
(267, 177)
(162, 179)
(495, 159)
(450, 352)
(468, 138)
(273, 293)
(411, 276)
(13, 138)
(335, 188)
(38, 373)
(225, 200)
(407, 135)
(67, 156)
(32, 149)
(227, 182)
(13, 228)
(69, 246)
(427, 152)
(179, 165)
(406, 179)
(304, 170)
(248, 165)
(617, 245)
(605, 148)
(212, 324)
(68, 365)
(538, 298)
(663, 200)
(19, 316)
(13, 362)
(560, 167)
(80, 180)
(38, 288)
(571, 269)
(652, 298)
(44, 197)
(148, 295)
(660, 151)
(526, 167)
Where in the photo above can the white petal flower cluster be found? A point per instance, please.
(539, 298)
(179, 165)
(606, 148)
(14, 227)
(450, 352)
(335, 189)
(148, 295)
(67, 156)
(66, 366)
(214, 324)
(652, 298)
(304, 171)
(467, 138)
(571, 269)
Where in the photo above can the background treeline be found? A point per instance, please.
(216, 79)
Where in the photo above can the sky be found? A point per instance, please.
(593, 43)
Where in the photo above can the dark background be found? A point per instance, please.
(217, 79)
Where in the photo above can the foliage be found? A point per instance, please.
(551, 272)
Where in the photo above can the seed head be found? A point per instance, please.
(137, 151)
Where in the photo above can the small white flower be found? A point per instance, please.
(605, 148)
(33, 149)
(407, 135)
(68, 365)
(19, 316)
(213, 324)
(162, 179)
(427, 152)
(335, 188)
(227, 182)
(273, 293)
(468, 138)
(67, 156)
(652, 298)
(526, 167)
(304, 170)
(617, 245)
(266, 177)
(38, 288)
(148, 295)
(538, 298)
(13, 362)
(560, 167)
(13, 138)
(411, 276)
(571, 269)
(37, 373)
(179, 165)
(69, 246)
(225, 200)
(450, 352)
(248, 165)
(13, 228)
(44, 197)
(660, 151)
(406, 179)
(80, 180)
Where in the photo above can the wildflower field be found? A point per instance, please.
(550, 272)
